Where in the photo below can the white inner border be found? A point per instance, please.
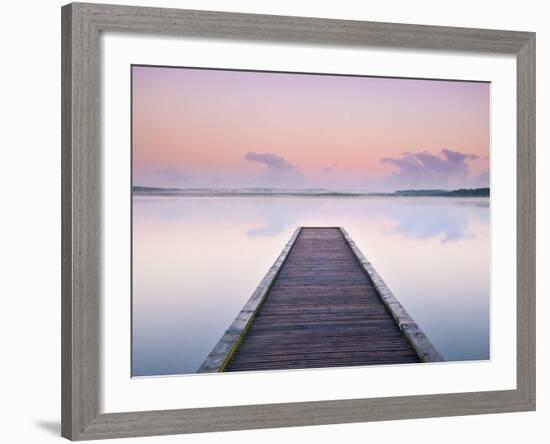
(121, 393)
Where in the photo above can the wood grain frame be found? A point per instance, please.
(81, 239)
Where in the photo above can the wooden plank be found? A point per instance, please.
(322, 310)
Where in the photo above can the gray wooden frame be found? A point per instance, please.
(81, 239)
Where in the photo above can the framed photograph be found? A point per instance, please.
(278, 221)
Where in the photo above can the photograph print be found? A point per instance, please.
(285, 221)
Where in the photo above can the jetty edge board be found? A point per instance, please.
(333, 321)
(412, 331)
(221, 354)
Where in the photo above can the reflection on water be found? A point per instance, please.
(197, 260)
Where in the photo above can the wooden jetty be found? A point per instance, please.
(321, 304)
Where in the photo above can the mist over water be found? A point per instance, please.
(197, 260)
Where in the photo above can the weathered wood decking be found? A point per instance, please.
(321, 305)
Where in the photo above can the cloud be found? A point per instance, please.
(483, 179)
(278, 172)
(272, 161)
(425, 168)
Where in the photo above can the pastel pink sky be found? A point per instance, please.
(218, 128)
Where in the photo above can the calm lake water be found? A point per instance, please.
(197, 260)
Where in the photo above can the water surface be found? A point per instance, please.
(197, 260)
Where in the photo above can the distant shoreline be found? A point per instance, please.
(198, 192)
